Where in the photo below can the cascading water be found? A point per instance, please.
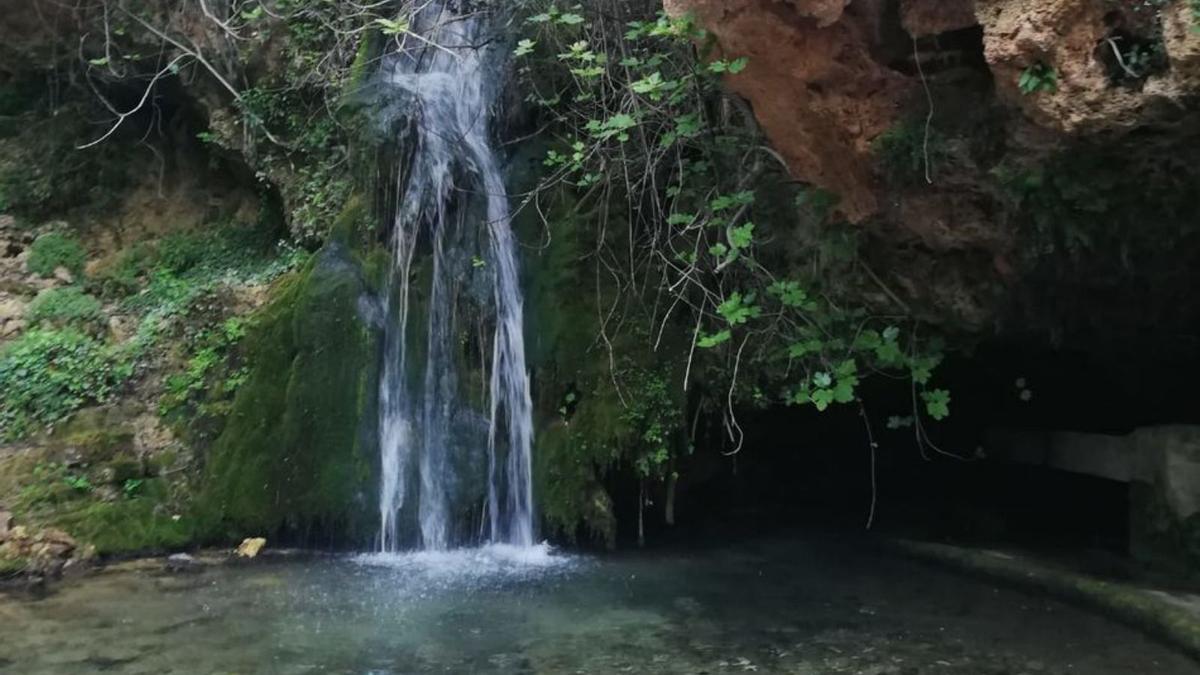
(452, 208)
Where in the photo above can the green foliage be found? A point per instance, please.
(1098, 244)
(711, 227)
(62, 307)
(212, 348)
(131, 487)
(48, 484)
(1038, 77)
(56, 249)
(182, 269)
(45, 375)
(126, 276)
(392, 27)
(43, 174)
(909, 152)
(653, 416)
(78, 483)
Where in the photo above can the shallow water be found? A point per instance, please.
(765, 607)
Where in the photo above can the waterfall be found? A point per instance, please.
(452, 208)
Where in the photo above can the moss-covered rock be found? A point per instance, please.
(297, 456)
(594, 408)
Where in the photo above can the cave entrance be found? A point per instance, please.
(1021, 462)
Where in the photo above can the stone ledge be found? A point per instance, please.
(1171, 616)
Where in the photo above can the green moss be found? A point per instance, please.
(351, 226)
(569, 464)
(53, 250)
(68, 306)
(10, 567)
(296, 456)
(88, 500)
(97, 434)
(362, 68)
(376, 266)
(137, 525)
(574, 452)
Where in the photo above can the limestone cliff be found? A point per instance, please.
(846, 90)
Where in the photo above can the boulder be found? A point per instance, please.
(249, 548)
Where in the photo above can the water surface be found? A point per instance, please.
(765, 607)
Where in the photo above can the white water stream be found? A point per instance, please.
(451, 194)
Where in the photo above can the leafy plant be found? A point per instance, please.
(53, 250)
(1038, 77)
(78, 483)
(131, 487)
(908, 152)
(215, 344)
(654, 417)
(45, 375)
(67, 306)
(126, 275)
(633, 108)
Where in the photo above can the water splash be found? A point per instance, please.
(485, 566)
(450, 193)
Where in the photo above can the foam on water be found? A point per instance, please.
(471, 566)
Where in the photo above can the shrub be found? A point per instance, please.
(181, 252)
(65, 307)
(908, 153)
(53, 250)
(125, 276)
(45, 375)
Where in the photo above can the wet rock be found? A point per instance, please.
(43, 553)
(75, 567)
(250, 548)
(181, 563)
(54, 542)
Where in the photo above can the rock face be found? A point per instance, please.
(46, 552)
(1161, 464)
(814, 84)
(923, 18)
(1118, 64)
(827, 77)
(847, 92)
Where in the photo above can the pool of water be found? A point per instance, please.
(760, 607)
